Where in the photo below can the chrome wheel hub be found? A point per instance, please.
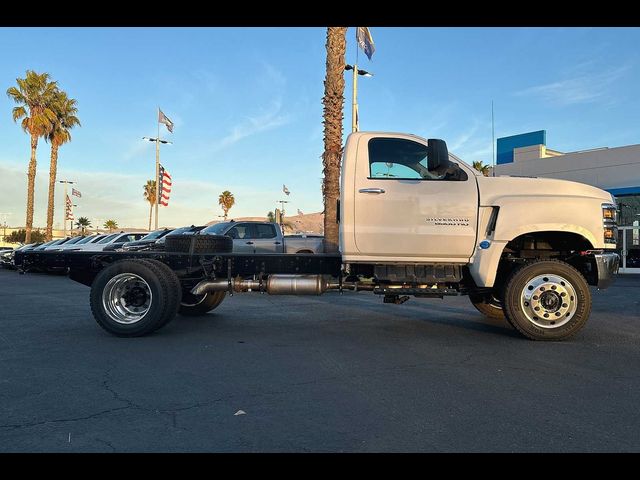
(549, 301)
(126, 298)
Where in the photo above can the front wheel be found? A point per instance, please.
(196, 305)
(547, 300)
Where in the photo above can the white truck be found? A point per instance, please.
(414, 220)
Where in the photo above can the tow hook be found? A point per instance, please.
(397, 299)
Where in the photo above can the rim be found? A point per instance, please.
(549, 301)
(192, 300)
(126, 298)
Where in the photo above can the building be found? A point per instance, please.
(615, 169)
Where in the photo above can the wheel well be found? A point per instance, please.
(304, 251)
(565, 246)
(547, 244)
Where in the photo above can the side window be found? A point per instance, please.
(242, 231)
(401, 159)
(265, 231)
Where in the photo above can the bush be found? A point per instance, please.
(18, 236)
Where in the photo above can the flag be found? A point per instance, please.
(76, 193)
(68, 212)
(300, 212)
(365, 41)
(285, 189)
(164, 180)
(162, 118)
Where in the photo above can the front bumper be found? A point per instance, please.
(607, 264)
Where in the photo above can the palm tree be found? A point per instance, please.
(65, 110)
(33, 96)
(333, 102)
(271, 217)
(226, 201)
(481, 167)
(150, 196)
(83, 223)
(111, 225)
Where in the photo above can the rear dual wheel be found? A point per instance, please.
(135, 297)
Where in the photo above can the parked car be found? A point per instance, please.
(118, 242)
(59, 246)
(264, 237)
(160, 243)
(87, 239)
(5, 258)
(146, 241)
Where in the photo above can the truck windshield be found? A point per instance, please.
(155, 235)
(108, 237)
(216, 229)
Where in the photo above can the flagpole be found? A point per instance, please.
(64, 218)
(354, 102)
(157, 169)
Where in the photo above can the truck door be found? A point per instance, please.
(266, 238)
(404, 210)
(242, 238)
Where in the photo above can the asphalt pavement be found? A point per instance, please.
(313, 374)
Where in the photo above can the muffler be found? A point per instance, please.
(273, 285)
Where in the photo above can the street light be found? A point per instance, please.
(354, 101)
(155, 139)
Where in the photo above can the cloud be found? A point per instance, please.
(252, 125)
(587, 87)
(464, 137)
(119, 196)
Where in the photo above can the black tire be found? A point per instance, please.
(132, 284)
(547, 300)
(190, 243)
(489, 306)
(173, 284)
(196, 305)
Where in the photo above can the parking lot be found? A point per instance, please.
(328, 374)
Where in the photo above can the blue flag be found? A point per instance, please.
(365, 41)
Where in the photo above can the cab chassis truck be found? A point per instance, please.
(414, 220)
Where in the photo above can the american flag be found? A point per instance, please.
(164, 180)
(76, 193)
(68, 212)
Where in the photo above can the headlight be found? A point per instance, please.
(610, 223)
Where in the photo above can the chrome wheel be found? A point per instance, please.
(548, 301)
(126, 298)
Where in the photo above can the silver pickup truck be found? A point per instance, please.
(265, 237)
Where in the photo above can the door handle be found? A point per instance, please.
(249, 243)
(371, 190)
(277, 243)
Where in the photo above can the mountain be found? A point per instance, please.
(308, 223)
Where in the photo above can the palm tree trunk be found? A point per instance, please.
(150, 212)
(53, 170)
(31, 184)
(333, 105)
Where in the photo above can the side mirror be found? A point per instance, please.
(437, 154)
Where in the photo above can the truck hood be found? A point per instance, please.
(493, 189)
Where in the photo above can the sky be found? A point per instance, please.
(246, 104)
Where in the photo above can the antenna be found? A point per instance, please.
(493, 144)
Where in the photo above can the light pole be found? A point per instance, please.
(64, 221)
(4, 225)
(158, 141)
(354, 100)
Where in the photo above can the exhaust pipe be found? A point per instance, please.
(273, 285)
